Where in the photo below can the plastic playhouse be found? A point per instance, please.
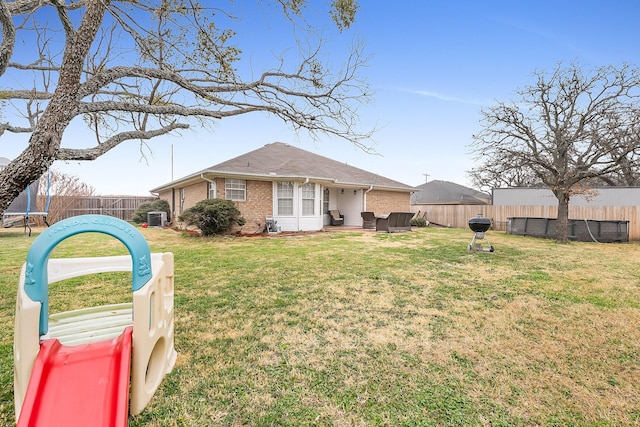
(93, 366)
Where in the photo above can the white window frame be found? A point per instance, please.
(308, 194)
(235, 189)
(325, 200)
(212, 190)
(281, 196)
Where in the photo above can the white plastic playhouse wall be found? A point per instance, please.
(150, 313)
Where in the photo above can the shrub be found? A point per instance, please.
(213, 216)
(140, 214)
(419, 222)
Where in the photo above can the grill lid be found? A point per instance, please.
(479, 224)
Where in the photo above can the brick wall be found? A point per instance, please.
(259, 204)
(192, 195)
(166, 195)
(254, 209)
(383, 202)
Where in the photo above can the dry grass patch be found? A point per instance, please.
(372, 329)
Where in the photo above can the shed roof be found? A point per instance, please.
(283, 161)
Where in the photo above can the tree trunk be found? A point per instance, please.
(10, 189)
(562, 221)
(46, 137)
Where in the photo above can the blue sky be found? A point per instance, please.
(434, 65)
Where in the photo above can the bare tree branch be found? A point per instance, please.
(157, 66)
(97, 151)
(8, 36)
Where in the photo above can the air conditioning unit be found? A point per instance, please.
(156, 219)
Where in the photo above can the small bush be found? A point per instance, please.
(419, 222)
(140, 214)
(213, 216)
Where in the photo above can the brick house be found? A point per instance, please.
(295, 187)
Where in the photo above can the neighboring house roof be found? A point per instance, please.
(448, 193)
(279, 161)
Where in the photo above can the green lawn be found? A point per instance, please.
(359, 328)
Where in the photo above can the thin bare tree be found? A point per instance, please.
(138, 69)
(564, 132)
(58, 192)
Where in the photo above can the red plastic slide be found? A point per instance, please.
(83, 385)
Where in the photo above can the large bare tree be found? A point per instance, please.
(137, 69)
(565, 132)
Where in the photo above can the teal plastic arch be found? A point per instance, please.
(36, 283)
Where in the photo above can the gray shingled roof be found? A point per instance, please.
(280, 160)
(438, 192)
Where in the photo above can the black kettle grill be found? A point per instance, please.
(479, 225)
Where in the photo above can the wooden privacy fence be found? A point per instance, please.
(122, 207)
(457, 216)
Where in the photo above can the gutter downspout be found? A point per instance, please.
(365, 197)
(207, 179)
(211, 181)
(306, 181)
